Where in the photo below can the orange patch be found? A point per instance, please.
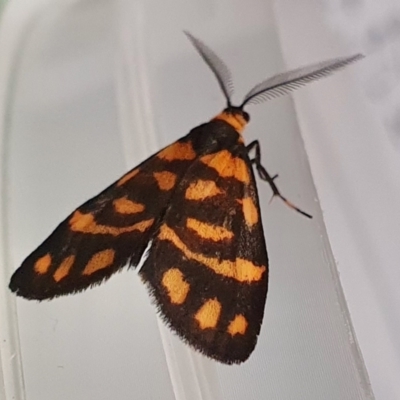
(200, 190)
(85, 223)
(208, 314)
(236, 121)
(43, 264)
(81, 222)
(227, 166)
(176, 285)
(125, 206)
(178, 151)
(207, 231)
(250, 211)
(100, 260)
(128, 177)
(238, 325)
(63, 270)
(166, 180)
(239, 269)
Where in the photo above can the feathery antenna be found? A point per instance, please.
(275, 86)
(217, 66)
(287, 82)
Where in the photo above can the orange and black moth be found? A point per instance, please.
(196, 202)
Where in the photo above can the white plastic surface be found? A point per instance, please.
(99, 83)
(355, 164)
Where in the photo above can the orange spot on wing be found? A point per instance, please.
(166, 180)
(236, 121)
(125, 206)
(85, 223)
(128, 177)
(43, 264)
(208, 314)
(63, 270)
(81, 222)
(142, 225)
(100, 260)
(239, 269)
(238, 325)
(176, 285)
(178, 151)
(250, 211)
(227, 166)
(207, 231)
(200, 190)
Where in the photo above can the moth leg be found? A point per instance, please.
(265, 176)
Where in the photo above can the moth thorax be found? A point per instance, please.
(235, 117)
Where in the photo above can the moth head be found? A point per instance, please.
(234, 116)
(270, 88)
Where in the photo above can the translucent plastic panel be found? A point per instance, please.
(99, 87)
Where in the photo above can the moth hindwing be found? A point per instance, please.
(196, 201)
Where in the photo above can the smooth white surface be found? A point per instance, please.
(15, 27)
(65, 146)
(70, 123)
(375, 27)
(355, 167)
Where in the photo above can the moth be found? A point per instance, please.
(196, 202)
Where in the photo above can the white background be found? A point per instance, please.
(90, 89)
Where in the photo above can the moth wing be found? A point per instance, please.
(207, 268)
(107, 232)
